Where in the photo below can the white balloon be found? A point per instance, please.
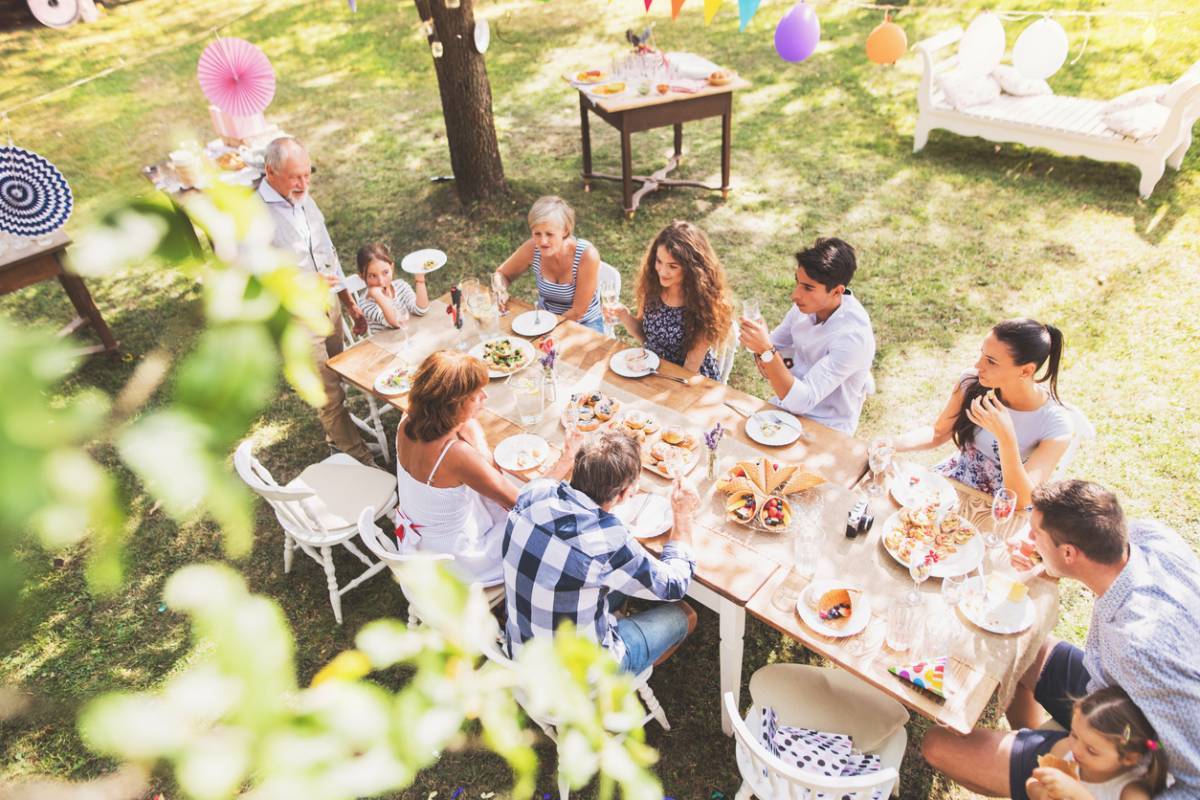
(1041, 49)
(982, 46)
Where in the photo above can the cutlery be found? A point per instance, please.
(745, 414)
(684, 381)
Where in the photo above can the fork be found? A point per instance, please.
(684, 381)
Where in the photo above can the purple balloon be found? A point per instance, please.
(797, 34)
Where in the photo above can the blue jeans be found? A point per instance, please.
(650, 633)
(597, 324)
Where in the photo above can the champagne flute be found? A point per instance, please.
(920, 564)
(879, 458)
(609, 295)
(751, 310)
(402, 318)
(1004, 508)
(500, 289)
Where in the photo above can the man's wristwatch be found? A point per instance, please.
(767, 356)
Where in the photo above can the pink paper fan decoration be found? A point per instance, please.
(236, 77)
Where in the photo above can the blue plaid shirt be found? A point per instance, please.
(562, 557)
(1145, 638)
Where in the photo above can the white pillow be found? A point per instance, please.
(964, 90)
(1013, 82)
(1180, 87)
(1148, 94)
(1139, 122)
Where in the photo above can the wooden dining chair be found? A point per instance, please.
(373, 426)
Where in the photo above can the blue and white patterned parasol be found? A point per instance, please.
(34, 196)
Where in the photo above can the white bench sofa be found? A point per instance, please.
(1071, 126)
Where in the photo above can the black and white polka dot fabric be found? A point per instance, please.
(828, 755)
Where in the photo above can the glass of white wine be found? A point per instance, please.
(609, 295)
(500, 289)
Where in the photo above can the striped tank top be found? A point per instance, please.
(558, 298)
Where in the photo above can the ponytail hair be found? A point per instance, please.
(1113, 714)
(1028, 342)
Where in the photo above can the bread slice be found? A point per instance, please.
(1061, 764)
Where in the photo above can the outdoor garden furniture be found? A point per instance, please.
(1072, 126)
(319, 509)
(631, 114)
(374, 432)
(42, 259)
(824, 700)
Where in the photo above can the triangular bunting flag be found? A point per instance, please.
(675, 6)
(746, 10)
(710, 10)
(648, 2)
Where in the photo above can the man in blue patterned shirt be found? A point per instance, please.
(1144, 637)
(567, 557)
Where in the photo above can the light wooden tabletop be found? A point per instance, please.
(630, 99)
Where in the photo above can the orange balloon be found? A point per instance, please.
(886, 43)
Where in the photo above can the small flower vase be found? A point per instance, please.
(712, 463)
(551, 385)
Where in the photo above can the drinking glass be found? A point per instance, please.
(527, 388)
(500, 289)
(953, 589)
(879, 458)
(609, 294)
(1004, 507)
(402, 318)
(901, 620)
(920, 564)
(751, 310)
(570, 417)
(481, 307)
(806, 545)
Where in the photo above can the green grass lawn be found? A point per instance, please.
(949, 241)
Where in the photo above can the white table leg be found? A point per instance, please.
(733, 631)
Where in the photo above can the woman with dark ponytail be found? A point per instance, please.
(1006, 419)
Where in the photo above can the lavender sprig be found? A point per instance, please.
(712, 438)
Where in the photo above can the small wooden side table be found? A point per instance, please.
(40, 262)
(630, 115)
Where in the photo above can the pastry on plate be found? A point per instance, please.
(835, 607)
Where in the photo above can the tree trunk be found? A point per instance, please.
(466, 101)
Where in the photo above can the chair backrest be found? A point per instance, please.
(609, 274)
(387, 549)
(356, 286)
(1082, 431)
(727, 353)
(772, 779)
(294, 507)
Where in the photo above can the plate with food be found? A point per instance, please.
(609, 89)
(593, 409)
(503, 355)
(673, 446)
(915, 486)
(420, 262)
(636, 362)
(832, 608)
(636, 424)
(590, 76)
(768, 477)
(998, 604)
(770, 513)
(956, 545)
(646, 515)
(534, 323)
(395, 380)
(524, 451)
(773, 428)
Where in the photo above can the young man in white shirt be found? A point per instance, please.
(829, 335)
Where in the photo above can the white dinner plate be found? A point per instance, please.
(534, 323)
(521, 452)
(383, 385)
(992, 611)
(860, 610)
(773, 428)
(417, 262)
(914, 486)
(520, 344)
(619, 363)
(962, 561)
(646, 515)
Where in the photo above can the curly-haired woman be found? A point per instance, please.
(684, 308)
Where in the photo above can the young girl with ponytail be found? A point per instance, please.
(1009, 426)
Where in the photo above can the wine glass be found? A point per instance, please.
(402, 318)
(500, 289)
(751, 310)
(1004, 507)
(879, 458)
(920, 564)
(609, 295)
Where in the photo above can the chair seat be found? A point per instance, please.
(343, 488)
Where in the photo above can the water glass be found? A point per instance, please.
(528, 389)
(402, 318)
(902, 620)
(953, 589)
(806, 544)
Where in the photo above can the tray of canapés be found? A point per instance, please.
(954, 544)
(756, 492)
(666, 449)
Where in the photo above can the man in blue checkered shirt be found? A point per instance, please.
(567, 557)
(1144, 637)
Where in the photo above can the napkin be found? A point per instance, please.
(929, 675)
(819, 753)
(690, 65)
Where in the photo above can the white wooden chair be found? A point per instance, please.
(1083, 431)
(727, 353)
(1072, 126)
(319, 509)
(373, 426)
(822, 699)
(548, 726)
(388, 550)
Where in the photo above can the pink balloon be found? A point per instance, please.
(797, 34)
